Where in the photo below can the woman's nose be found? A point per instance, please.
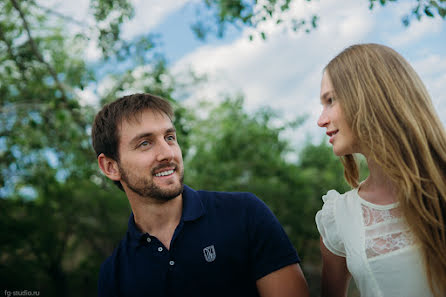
(323, 120)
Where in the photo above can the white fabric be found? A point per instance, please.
(380, 251)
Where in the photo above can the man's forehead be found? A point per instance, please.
(161, 123)
(139, 116)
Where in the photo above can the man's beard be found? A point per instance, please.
(147, 188)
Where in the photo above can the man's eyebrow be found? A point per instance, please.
(139, 136)
(149, 134)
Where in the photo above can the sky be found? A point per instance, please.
(283, 72)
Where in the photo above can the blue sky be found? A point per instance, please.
(283, 72)
(177, 38)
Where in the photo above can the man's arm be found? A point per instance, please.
(335, 274)
(288, 281)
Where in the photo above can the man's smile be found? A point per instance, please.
(165, 173)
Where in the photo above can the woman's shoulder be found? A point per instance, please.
(334, 196)
(328, 220)
(339, 206)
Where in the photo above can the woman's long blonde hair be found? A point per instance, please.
(391, 113)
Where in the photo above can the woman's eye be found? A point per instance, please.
(330, 100)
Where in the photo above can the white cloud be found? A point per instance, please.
(416, 31)
(87, 96)
(76, 10)
(432, 70)
(92, 51)
(285, 71)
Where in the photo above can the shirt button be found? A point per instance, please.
(160, 249)
(149, 239)
(171, 263)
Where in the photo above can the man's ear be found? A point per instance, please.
(109, 167)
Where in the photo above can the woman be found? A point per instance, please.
(389, 231)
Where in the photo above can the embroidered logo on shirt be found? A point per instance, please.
(209, 253)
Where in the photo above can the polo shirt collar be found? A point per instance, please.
(193, 209)
(192, 205)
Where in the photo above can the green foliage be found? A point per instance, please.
(40, 115)
(110, 14)
(59, 221)
(420, 8)
(56, 242)
(214, 16)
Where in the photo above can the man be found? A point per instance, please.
(182, 242)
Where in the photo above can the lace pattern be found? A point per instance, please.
(385, 230)
(373, 216)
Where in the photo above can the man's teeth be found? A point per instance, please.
(164, 173)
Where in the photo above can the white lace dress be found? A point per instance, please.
(380, 252)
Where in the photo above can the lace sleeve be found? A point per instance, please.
(326, 224)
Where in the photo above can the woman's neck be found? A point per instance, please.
(378, 188)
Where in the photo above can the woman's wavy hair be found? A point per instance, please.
(391, 114)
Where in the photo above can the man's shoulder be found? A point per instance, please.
(226, 195)
(226, 198)
(107, 281)
(241, 204)
(112, 260)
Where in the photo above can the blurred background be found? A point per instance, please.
(244, 79)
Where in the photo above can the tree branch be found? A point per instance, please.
(60, 15)
(36, 51)
(63, 89)
(10, 51)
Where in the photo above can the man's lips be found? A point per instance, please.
(165, 173)
(164, 170)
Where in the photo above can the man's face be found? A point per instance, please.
(150, 160)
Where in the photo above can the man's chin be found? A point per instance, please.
(166, 194)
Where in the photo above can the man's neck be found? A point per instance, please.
(158, 218)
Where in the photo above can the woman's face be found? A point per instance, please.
(332, 118)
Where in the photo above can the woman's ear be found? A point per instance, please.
(109, 167)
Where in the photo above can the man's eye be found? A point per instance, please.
(143, 144)
(170, 137)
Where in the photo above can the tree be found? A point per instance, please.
(420, 8)
(59, 217)
(214, 16)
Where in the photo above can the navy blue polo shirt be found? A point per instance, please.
(222, 245)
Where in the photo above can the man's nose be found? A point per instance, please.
(165, 151)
